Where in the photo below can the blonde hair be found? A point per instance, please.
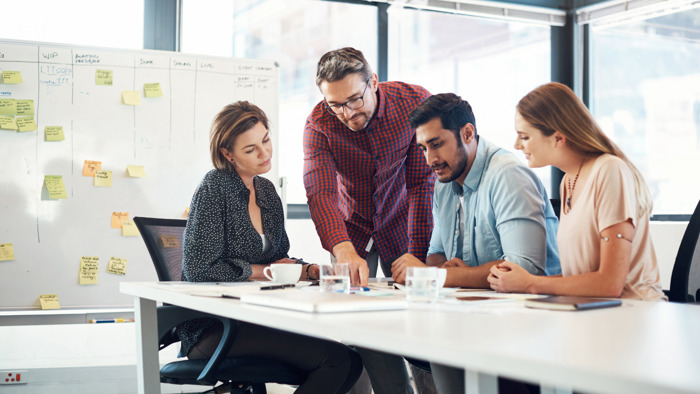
(232, 121)
(554, 107)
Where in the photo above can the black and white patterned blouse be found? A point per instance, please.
(220, 242)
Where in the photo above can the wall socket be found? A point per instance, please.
(13, 377)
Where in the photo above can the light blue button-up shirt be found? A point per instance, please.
(507, 215)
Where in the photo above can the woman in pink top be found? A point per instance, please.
(604, 242)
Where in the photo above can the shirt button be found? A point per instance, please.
(456, 232)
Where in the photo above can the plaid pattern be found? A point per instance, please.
(370, 183)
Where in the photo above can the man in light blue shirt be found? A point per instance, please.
(487, 207)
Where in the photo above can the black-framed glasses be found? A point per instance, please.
(352, 104)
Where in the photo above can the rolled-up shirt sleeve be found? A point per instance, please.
(519, 207)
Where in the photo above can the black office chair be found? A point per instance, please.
(163, 238)
(685, 279)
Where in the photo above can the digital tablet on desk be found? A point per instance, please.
(569, 303)
(317, 302)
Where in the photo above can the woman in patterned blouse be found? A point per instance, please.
(234, 230)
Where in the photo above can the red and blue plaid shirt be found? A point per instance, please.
(370, 183)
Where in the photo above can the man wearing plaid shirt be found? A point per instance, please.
(369, 188)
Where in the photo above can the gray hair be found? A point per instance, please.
(336, 65)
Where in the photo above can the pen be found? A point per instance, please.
(111, 320)
(274, 287)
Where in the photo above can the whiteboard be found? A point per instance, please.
(168, 135)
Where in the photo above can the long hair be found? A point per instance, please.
(337, 64)
(232, 121)
(554, 107)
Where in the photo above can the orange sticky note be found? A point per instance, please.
(90, 167)
(118, 218)
(170, 241)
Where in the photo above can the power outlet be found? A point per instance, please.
(13, 377)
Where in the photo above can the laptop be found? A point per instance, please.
(317, 302)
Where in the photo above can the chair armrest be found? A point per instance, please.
(170, 316)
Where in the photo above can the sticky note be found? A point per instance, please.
(54, 133)
(103, 178)
(89, 265)
(49, 301)
(7, 252)
(136, 171)
(8, 107)
(187, 212)
(104, 77)
(118, 218)
(129, 229)
(170, 241)
(131, 97)
(11, 77)
(25, 123)
(55, 185)
(90, 167)
(116, 266)
(152, 90)
(25, 107)
(8, 123)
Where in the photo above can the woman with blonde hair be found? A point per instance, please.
(604, 241)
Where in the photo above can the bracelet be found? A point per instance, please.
(307, 272)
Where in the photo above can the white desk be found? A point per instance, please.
(637, 348)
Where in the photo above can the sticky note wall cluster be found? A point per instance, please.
(91, 138)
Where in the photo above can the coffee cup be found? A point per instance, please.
(283, 273)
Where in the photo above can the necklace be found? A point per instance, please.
(571, 188)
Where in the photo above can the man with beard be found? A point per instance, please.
(368, 188)
(488, 207)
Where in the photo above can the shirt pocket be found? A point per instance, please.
(487, 246)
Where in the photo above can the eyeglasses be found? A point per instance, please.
(352, 104)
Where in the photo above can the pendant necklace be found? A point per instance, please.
(571, 188)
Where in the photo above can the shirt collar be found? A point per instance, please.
(260, 198)
(483, 152)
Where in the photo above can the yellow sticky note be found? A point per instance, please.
(152, 90)
(55, 185)
(118, 218)
(170, 241)
(117, 266)
(131, 97)
(10, 77)
(8, 107)
(7, 252)
(90, 167)
(54, 133)
(25, 107)
(129, 229)
(49, 301)
(26, 123)
(104, 77)
(89, 265)
(136, 171)
(8, 123)
(187, 212)
(103, 178)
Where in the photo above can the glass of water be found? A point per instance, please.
(422, 284)
(335, 278)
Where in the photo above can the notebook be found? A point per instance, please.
(568, 303)
(317, 302)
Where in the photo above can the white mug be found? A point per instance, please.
(283, 273)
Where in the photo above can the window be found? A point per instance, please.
(489, 63)
(117, 24)
(645, 90)
(295, 34)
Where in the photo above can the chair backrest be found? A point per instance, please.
(163, 238)
(685, 279)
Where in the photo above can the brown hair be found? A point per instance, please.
(337, 64)
(232, 121)
(554, 107)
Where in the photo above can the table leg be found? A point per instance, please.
(147, 364)
(480, 383)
